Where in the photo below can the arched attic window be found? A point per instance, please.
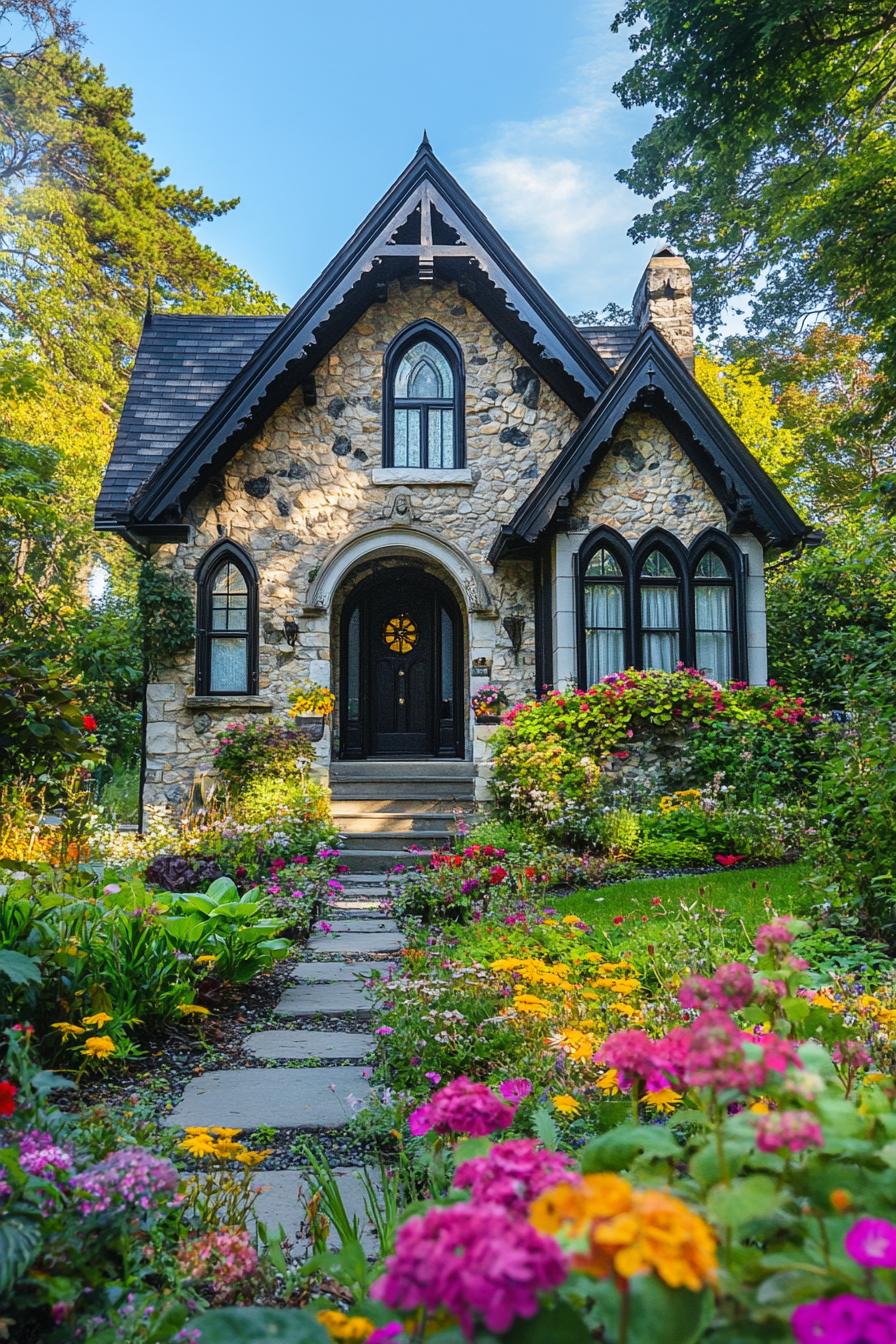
(423, 400)
(659, 598)
(604, 611)
(713, 583)
(226, 623)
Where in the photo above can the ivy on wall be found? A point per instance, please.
(166, 614)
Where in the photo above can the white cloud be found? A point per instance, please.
(549, 184)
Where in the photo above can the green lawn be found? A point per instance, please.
(743, 891)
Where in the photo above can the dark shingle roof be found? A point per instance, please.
(184, 363)
(611, 343)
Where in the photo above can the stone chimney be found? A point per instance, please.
(663, 297)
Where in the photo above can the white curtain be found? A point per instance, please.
(604, 630)
(713, 627)
(659, 624)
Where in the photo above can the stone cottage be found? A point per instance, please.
(423, 478)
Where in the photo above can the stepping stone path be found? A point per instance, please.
(314, 1096)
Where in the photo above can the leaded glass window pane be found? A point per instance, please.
(658, 566)
(230, 599)
(441, 438)
(659, 624)
(406, 443)
(603, 565)
(714, 629)
(229, 665)
(712, 566)
(424, 374)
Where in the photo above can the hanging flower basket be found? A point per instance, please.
(311, 705)
(488, 704)
(311, 725)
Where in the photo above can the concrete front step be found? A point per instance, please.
(413, 806)
(380, 860)
(284, 1044)
(284, 1098)
(444, 791)
(395, 823)
(431, 838)
(428, 768)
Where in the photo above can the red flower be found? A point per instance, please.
(530, 873)
(89, 723)
(497, 874)
(729, 860)
(7, 1098)
(621, 755)
(619, 919)
(656, 900)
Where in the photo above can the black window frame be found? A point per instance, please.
(684, 561)
(224, 553)
(603, 539)
(447, 346)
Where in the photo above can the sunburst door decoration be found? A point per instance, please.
(400, 634)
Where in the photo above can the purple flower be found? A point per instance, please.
(41, 1156)
(384, 1031)
(515, 1090)
(128, 1178)
(872, 1242)
(434, 1078)
(323, 926)
(844, 1320)
(469, 885)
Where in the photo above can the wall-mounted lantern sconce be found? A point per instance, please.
(514, 625)
(291, 631)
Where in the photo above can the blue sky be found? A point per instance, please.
(307, 111)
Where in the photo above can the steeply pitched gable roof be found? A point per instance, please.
(653, 377)
(424, 224)
(183, 365)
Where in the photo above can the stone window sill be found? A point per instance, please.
(255, 703)
(423, 476)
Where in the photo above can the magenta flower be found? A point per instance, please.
(791, 1130)
(323, 927)
(635, 1057)
(844, 1320)
(130, 1178)
(872, 1242)
(774, 937)
(512, 1174)
(475, 1261)
(434, 1078)
(515, 1090)
(386, 1333)
(462, 1107)
(384, 1031)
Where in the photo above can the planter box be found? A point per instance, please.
(313, 727)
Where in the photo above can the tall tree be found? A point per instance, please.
(772, 159)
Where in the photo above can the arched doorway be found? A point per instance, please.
(401, 683)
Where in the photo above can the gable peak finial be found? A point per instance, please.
(424, 143)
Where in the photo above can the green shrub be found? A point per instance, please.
(266, 797)
(665, 852)
(619, 833)
(261, 747)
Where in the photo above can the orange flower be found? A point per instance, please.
(628, 1231)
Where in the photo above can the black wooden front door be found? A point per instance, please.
(402, 634)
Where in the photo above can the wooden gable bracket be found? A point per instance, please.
(426, 250)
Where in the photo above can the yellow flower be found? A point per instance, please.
(197, 1129)
(68, 1029)
(198, 1145)
(196, 1008)
(579, 1045)
(249, 1159)
(626, 1010)
(609, 1082)
(97, 1020)
(530, 1003)
(663, 1100)
(223, 1133)
(207, 959)
(566, 1104)
(571, 919)
(99, 1047)
(229, 1149)
(345, 1329)
(760, 1107)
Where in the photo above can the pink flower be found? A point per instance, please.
(635, 1057)
(476, 1262)
(774, 937)
(728, 860)
(515, 1090)
(461, 1107)
(512, 1174)
(793, 1130)
(434, 1078)
(384, 1031)
(323, 927)
(872, 1242)
(731, 987)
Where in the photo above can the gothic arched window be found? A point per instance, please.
(659, 588)
(423, 400)
(605, 622)
(226, 623)
(714, 616)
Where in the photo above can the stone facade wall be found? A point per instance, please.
(646, 480)
(305, 483)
